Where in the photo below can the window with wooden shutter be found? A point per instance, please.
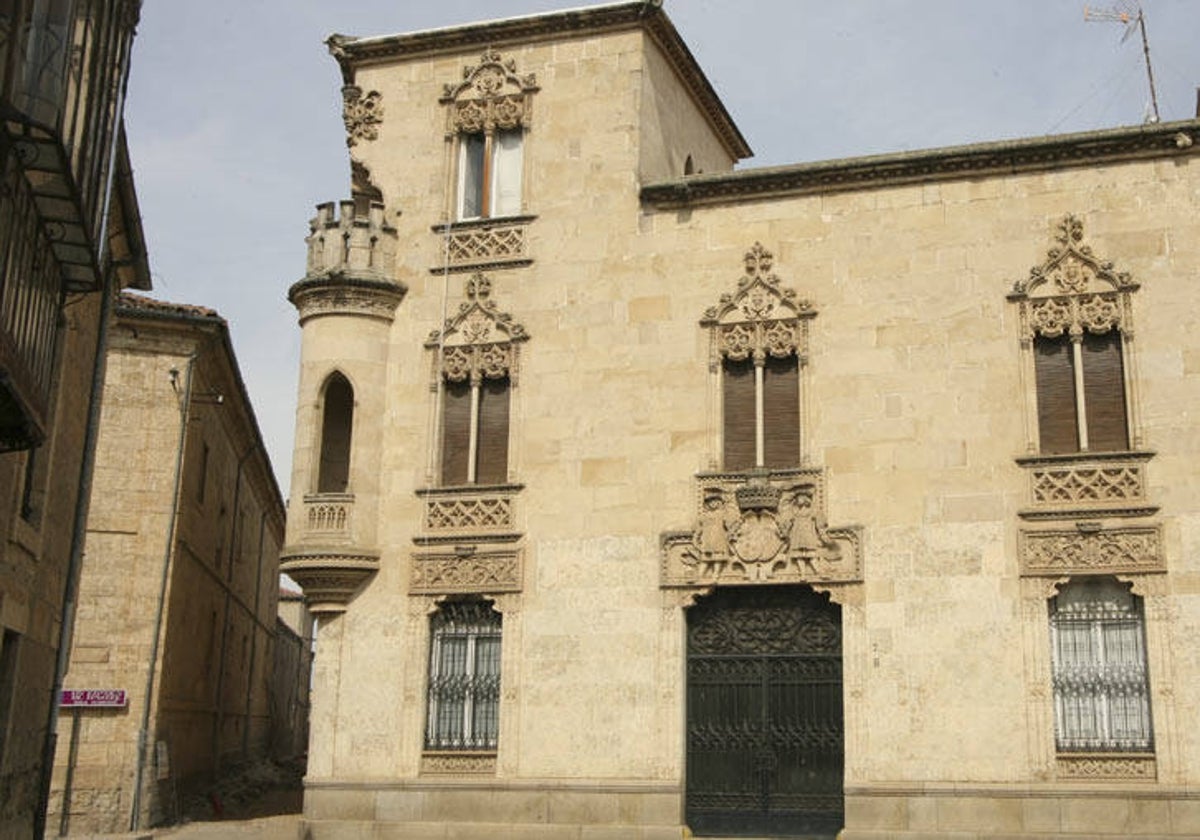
(781, 413)
(739, 402)
(1058, 429)
(1104, 392)
(492, 465)
(478, 354)
(1074, 314)
(760, 335)
(456, 432)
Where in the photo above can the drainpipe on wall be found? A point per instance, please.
(168, 552)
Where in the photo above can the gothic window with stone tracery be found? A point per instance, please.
(1098, 654)
(1076, 320)
(476, 371)
(760, 335)
(489, 112)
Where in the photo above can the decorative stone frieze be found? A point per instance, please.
(466, 569)
(761, 527)
(362, 114)
(1090, 766)
(484, 244)
(458, 764)
(491, 95)
(329, 578)
(1090, 549)
(351, 258)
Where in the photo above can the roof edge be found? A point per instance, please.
(142, 308)
(1160, 140)
(648, 15)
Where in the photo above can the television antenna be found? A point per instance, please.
(1129, 13)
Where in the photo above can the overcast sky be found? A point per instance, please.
(235, 130)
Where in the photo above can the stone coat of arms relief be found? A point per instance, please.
(761, 527)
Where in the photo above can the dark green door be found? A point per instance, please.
(764, 713)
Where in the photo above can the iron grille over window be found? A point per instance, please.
(1101, 689)
(464, 678)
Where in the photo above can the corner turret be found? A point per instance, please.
(346, 302)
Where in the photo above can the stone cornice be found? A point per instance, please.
(1116, 145)
(352, 53)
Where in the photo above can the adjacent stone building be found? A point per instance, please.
(70, 234)
(638, 495)
(291, 685)
(178, 600)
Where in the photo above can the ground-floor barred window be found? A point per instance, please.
(464, 678)
(1101, 687)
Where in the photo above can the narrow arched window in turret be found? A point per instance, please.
(337, 425)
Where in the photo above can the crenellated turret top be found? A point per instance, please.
(351, 242)
(351, 263)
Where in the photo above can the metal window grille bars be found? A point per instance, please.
(1101, 689)
(464, 678)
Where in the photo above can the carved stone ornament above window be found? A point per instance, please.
(1073, 291)
(761, 527)
(361, 113)
(1091, 549)
(491, 95)
(762, 317)
(479, 342)
(456, 570)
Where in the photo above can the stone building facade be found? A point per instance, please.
(178, 600)
(70, 234)
(291, 684)
(639, 495)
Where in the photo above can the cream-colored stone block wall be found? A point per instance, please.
(672, 127)
(211, 670)
(915, 411)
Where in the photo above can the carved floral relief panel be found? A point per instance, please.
(465, 569)
(1073, 291)
(1090, 549)
(491, 95)
(762, 317)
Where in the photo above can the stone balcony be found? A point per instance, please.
(324, 559)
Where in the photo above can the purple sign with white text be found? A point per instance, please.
(96, 698)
